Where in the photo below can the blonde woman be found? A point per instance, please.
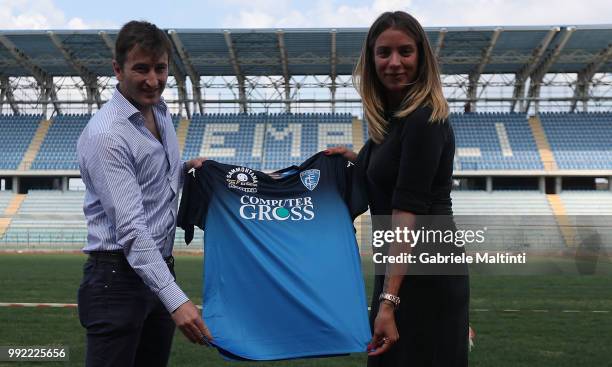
(407, 164)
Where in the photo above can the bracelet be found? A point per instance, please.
(395, 300)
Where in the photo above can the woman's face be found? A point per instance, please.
(396, 59)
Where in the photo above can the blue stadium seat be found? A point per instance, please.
(580, 140)
(58, 150)
(494, 141)
(16, 133)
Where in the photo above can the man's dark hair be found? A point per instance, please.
(144, 34)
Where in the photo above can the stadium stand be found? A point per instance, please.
(580, 140)
(265, 141)
(515, 221)
(587, 202)
(45, 202)
(310, 133)
(51, 218)
(54, 220)
(500, 203)
(58, 150)
(48, 219)
(494, 141)
(227, 138)
(5, 199)
(485, 141)
(16, 133)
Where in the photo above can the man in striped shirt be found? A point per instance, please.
(129, 301)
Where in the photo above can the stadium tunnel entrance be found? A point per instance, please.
(550, 185)
(469, 183)
(579, 183)
(39, 183)
(516, 183)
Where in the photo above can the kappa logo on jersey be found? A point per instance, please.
(255, 208)
(242, 178)
(310, 178)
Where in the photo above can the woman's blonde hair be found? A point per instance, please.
(427, 87)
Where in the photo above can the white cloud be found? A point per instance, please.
(41, 14)
(254, 19)
(521, 12)
(322, 13)
(329, 13)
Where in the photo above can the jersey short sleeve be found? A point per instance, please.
(195, 199)
(351, 186)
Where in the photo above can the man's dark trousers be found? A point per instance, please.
(127, 325)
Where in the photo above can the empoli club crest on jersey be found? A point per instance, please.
(310, 178)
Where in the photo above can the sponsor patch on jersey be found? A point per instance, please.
(242, 178)
(310, 178)
(296, 209)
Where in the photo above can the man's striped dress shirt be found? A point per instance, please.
(132, 182)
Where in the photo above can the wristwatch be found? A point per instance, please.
(395, 300)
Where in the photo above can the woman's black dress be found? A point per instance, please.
(411, 171)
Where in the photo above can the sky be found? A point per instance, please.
(111, 14)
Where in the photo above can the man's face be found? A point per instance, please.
(143, 76)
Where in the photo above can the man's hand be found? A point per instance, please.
(385, 332)
(195, 163)
(187, 318)
(343, 151)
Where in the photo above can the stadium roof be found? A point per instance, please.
(246, 52)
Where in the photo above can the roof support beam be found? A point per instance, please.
(181, 81)
(440, 43)
(48, 93)
(475, 75)
(280, 35)
(191, 71)
(241, 80)
(521, 76)
(538, 74)
(108, 42)
(585, 77)
(333, 61)
(44, 81)
(90, 79)
(6, 93)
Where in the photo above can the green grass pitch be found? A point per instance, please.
(545, 331)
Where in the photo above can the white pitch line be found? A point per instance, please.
(45, 305)
(74, 305)
(38, 305)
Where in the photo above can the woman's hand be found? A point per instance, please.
(343, 151)
(385, 332)
(194, 163)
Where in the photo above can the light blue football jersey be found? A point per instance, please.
(282, 272)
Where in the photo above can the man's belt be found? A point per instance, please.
(118, 257)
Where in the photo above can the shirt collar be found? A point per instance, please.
(126, 108)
